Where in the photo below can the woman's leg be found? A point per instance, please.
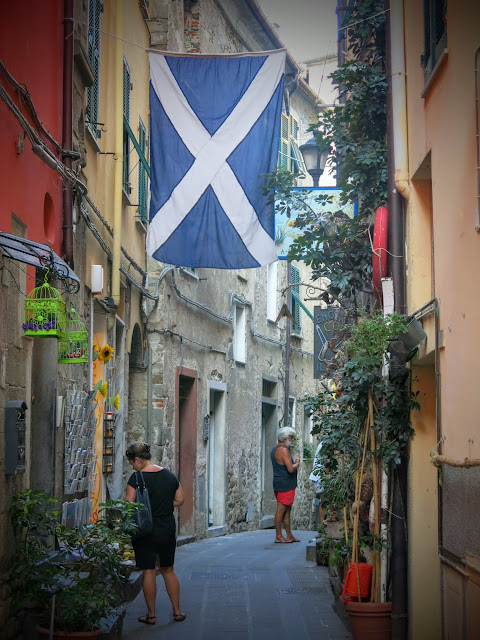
(172, 586)
(150, 590)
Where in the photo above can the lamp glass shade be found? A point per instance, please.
(311, 155)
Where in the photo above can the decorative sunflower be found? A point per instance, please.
(106, 353)
(116, 402)
(103, 389)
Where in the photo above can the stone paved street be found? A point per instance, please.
(244, 587)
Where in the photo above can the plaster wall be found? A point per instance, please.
(424, 564)
(443, 124)
(442, 255)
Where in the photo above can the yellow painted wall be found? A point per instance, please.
(443, 124)
(100, 180)
(100, 169)
(424, 564)
(443, 260)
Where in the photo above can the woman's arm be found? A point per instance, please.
(178, 498)
(130, 494)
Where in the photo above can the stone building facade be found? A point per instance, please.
(215, 357)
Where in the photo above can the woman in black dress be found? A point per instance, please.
(165, 493)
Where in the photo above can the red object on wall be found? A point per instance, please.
(31, 48)
(380, 240)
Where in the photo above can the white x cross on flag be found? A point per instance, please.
(214, 130)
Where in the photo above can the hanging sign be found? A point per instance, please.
(328, 324)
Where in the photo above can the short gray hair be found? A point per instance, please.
(284, 433)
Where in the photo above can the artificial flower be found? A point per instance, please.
(106, 353)
(103, 389)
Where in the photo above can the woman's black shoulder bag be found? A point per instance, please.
(143, 515)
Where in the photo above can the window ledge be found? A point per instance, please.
(186, 272)
(141, 223)
(126, 196)
(297, 336)
(434, 72)
(93, 139)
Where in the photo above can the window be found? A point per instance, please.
(307, 426)
(95, 9)
(142, 174)
(272, 291)
(283, 145)
(127, 87)
(295, 279)
(287, 158)
(239, 335)
(435, 32)
(291, 412)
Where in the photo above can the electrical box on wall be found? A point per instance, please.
(15, 433)
(97, 279)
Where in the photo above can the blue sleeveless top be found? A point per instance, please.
(283, 480)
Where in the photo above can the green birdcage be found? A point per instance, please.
(73, 346)
(44, 312)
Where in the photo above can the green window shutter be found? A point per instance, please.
(95, 9)
(434, 32)
(142, 174)
(295, 279)
(283, 160)
(127, 87)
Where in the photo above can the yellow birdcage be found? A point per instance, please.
(73, 346)
(44, 312)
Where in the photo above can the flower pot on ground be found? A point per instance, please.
(83, 566)
(370, 620)
(63, 635)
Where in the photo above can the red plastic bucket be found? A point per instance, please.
(350, 586)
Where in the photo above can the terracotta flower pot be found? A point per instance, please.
(370, 620)
(74, 635)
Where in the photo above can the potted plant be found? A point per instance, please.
(84, 572)
(364, 427)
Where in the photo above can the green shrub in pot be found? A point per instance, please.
(82, 566)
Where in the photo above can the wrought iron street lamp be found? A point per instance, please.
(315, 159)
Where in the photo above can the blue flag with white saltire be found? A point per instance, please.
(214, 129)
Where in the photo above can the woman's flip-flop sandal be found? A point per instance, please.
(146, 619)
(179, 617)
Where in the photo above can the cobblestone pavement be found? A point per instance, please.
(243, 587)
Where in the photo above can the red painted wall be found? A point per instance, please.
(31, 47)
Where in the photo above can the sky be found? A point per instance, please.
(308, 28)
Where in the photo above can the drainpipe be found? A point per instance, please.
(67, 128)
(118, 182)
(396, 135)
(477, 139)
(287, 348)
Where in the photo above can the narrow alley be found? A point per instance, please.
(244, 587)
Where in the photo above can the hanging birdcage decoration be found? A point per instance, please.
(44, 312)
(73, 346)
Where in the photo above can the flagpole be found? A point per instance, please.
(287, 347)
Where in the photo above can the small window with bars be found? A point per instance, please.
(435, 32)
(142, 173)
(127, 87)
(269, 388)
(295, 280)
(95, 9)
